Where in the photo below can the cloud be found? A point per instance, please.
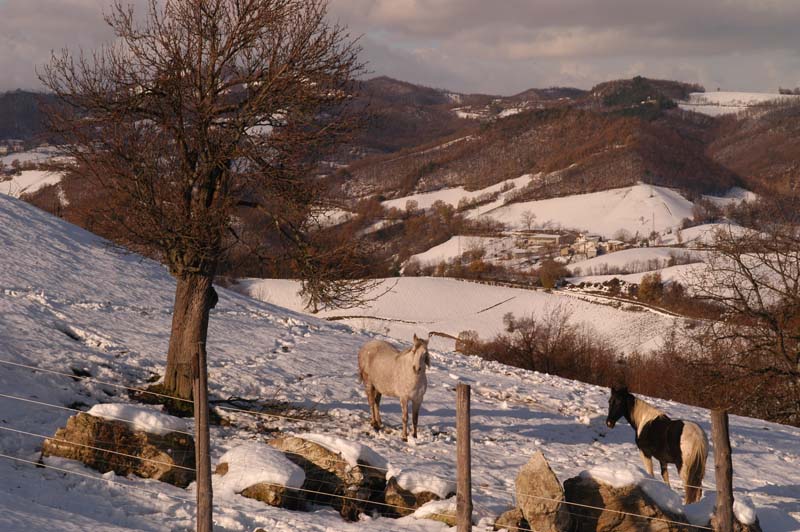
(31, 29)
(496, 47)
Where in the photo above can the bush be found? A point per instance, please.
(651, 289)
(550, 272)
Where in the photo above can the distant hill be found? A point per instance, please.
(21, 115)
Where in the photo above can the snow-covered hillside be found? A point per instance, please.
(725, 102)
(452, 196)
(637, 209)
(29, 181)
(410, 304)
(69, 301)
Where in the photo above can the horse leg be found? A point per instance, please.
(378, 408)
(415, 415)
(404, 407)
(371, 392)
(665, 472)
(648, 462)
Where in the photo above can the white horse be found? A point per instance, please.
(386, 371)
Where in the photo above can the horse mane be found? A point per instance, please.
(643, 413)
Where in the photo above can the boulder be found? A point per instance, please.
(89, 439)
(331, 481)
(619, 504)
(540, 496)
(403, 501)
(512, 520)
(260, 472)
(442, 511)
(279, 496)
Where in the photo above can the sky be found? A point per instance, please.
(496, 46)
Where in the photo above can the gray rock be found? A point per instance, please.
(331, 481)
(512, 520)
(622, 508)
(91, 440)
(402, 501)
(540, 496)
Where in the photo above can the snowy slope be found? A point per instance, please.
(67, 300)
(725, 102)
(640, 208)
(635, 260)
(454, 247)
(29, 181)
(452, 196)
(410, 305)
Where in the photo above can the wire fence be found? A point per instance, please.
(290, 495)
(260, 413)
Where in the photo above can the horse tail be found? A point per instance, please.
(694, 452)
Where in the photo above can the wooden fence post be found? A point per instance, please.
(464, 460)
(201, 442)
(723, 468)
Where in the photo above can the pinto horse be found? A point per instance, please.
(670, 441)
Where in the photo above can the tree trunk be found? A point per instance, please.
(194, 298)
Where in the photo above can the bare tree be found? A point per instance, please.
(198, 111)
(528, 219)
(754, 350)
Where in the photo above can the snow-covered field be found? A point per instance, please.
(637, 209)
(29, 181)
(36, 155)
(453, 196)
(635, 260)
(67, 300)
(457, 245)
(409, 305)
(725, 102)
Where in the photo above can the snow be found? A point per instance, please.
(635, 260)
(453, 196)
(724, 102)
(332, 217)
(29, 181)
(734, 196)
(36, 155)
(56, 278)
(637, 209)
(352, 452)
(445, 507)
(417, 305)
(702, 235)
(615, 475)
(139, 418)
(419, 481)
(453, 248)
(252, 463)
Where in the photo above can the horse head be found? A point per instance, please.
(618, 405)
(420, 355)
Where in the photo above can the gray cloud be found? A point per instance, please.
(505, 46)
(500, 46)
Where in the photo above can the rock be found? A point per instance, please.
(540, 496)
(279, 496)
(331, 481)
(404, 502)
(442, 511)
(160, 457)
(512, 520)
(629, 499)
(253, 473)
